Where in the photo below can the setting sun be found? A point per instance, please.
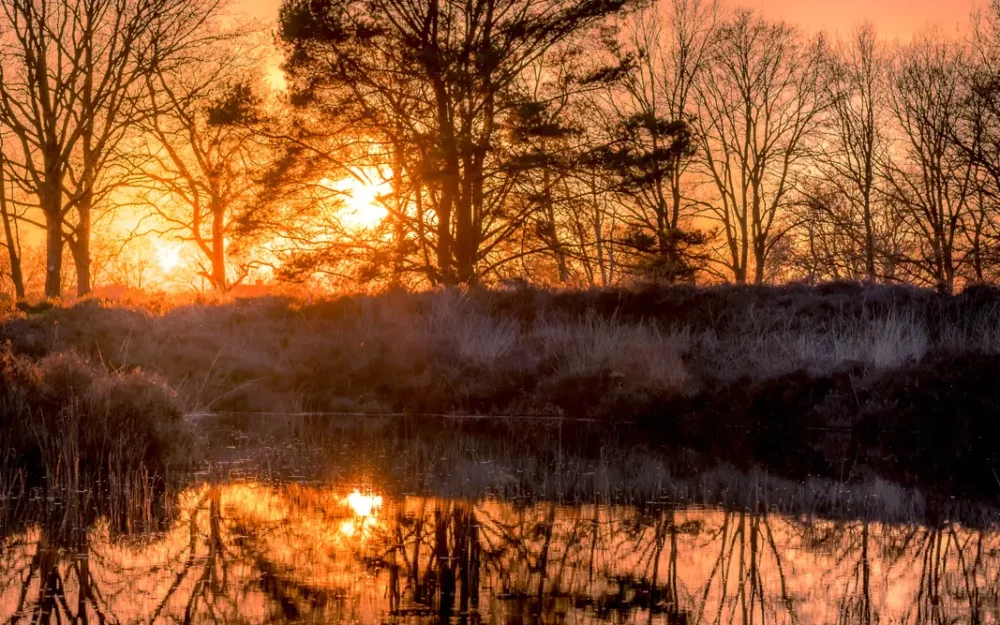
(362, 205)
(168, 257)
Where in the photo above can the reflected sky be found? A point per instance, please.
(250, 552)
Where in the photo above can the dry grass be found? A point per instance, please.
(875, 342)
(70, 422)
(512, 351)
(640, 353)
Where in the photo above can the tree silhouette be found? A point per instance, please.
(436, 80)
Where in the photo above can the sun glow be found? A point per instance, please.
(362, 202)
(365, 519)
(168, 257)
(363, 505)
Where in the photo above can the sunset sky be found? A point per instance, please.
(894, 18)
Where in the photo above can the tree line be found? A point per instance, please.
(593, 142)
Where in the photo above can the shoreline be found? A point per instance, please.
(833, 382)
(568, 463)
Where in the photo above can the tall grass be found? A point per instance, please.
(510, 351)
(641, 354)
(876, 342)
(72, 433)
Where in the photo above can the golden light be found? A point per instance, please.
(276, 76)
(168, 257)
(365, 509)
(347, 528)
(363, 505)
(362, 208)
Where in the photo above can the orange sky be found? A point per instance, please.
(894, 18)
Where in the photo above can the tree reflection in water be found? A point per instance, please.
(255, 553)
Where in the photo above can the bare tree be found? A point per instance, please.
(666, 47)
(759, 105)
(551, 145)
(856, 145)
(976, 134)
(72, 72)
(929, 179)
(202, 174)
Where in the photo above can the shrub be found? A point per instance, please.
(68, 423)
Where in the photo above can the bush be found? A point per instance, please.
(68, 423)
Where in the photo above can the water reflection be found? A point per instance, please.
(259, 553)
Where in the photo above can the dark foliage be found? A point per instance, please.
(68, 423)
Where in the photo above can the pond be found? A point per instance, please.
(291, 520)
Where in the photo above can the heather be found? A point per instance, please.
(591, 353)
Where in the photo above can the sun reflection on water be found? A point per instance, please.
(365, 508)
(363, 505)
(255, 553)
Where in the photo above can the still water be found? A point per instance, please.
(352, 545)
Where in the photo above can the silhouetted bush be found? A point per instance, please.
(67, 424)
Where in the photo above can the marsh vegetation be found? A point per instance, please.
(516, 350)
(840, 382)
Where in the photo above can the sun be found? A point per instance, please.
(363, 208)
(168, 257)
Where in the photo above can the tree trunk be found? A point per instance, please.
(444, 263)
(758, 275)
(81, 262)
(53, 254)
(869, 242)
(16, 272)
(399, 223)
(550, 215)
(81, 247)
(219, 250)
(465, 244)
(12, 243)
(451, 177)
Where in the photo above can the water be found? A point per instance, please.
(354, 525)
